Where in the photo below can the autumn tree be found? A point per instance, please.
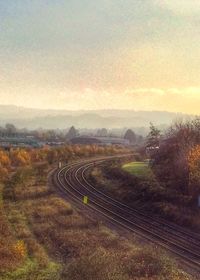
(4, 159)
(20, 157)
(170, 162)
(194, 170)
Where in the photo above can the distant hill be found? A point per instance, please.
(52, 119)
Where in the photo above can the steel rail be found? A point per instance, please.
(189, 256)
(194, 237)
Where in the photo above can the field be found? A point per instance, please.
(137, 168)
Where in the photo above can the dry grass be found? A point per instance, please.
(20, 243)
(104, 264)
(32, 192)
(9, 257)
(52, 231)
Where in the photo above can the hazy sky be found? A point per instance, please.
(86, 54)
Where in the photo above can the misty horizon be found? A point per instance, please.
(32, 118)
(9, 105)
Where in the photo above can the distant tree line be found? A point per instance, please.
(65, 136)
(20, 157)
(133, 137)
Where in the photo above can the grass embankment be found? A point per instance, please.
(140, 169)
(44, 238)
(136, 185)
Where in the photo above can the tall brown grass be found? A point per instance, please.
(40, 226)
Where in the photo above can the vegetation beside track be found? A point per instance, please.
(45, 238)
(137, 186)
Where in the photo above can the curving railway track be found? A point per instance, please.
(72, 181)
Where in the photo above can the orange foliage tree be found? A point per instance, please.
(20, 157)
(4, 159)
(4, 165)
(194, 170)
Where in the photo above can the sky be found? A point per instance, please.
(103, 54)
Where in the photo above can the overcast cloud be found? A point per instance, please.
(84, 54)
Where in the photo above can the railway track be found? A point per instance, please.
(72, 181)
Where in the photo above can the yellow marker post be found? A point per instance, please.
(85, 199)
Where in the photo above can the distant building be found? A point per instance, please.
(150, 150)
(25, 142)
(55, 143)
(100, 140)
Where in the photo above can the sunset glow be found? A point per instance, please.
(140, 55)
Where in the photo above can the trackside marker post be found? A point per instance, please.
(85, 199)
